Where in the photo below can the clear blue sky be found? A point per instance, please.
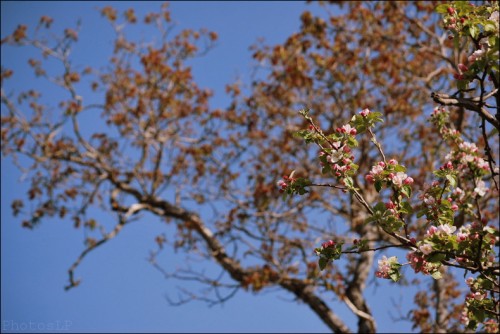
(121, 291)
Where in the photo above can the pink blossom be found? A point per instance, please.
(478, 54)
(478, 295)
(369, 178)
(364, 112)
(463, 67)
(464, 318)
(459, 193)
(328, 244)
(469, 281)
(426, 249)
(429, 200)
(393, 162)
(348, 129)
(398, 179)
(431, 231)
(480, 188)
(447, 229)
(454, 207)
(467, 146)
(390, 205)
(376, 170)
(482, 164)
(281, 184)
(408, 181)
(461, 236)
(384, 266)
(334, 157)
(494, 17)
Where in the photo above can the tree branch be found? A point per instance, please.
(467, 103)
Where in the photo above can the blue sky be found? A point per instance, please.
(121, 291)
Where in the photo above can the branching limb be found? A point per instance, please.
(470, 104)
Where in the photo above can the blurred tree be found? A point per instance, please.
(160, 149)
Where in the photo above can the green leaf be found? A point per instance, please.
(378, 185)
(489, 26)
(478, 313)
(473, 30)
(452, 179)
(395, 276)
(348, 182)
(436, 275)
(304, 112)
(399, 168)
(380, 207)
(406, 207)
(406, 190)
(435, 258)
(352, 142)
(442, 9)
(322, 263)
(462, 84)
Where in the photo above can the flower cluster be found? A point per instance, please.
(477, 301)
(328, 244)
(467, 160)
(339, 161)
(388, 268)
(419, 264)
(460, 182)
(392, 174)
(285, 182)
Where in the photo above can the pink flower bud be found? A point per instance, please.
(369, 178)
(327, 244)
(469, 281)
(408, 181)
(390, 205)
(454, 207)
(281, 184)
(393, 162)
(364, 112)
(451, 10)
(381, 164)
(462, 67)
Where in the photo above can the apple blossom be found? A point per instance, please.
(281, 184)
(426, 249)
(446, 229)
(365, 112)
(469, 281)
(431, 231)
(463, 67)
(385, 266)
(398, 178)
(478, 54)
(480, 188)
(328, 244)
